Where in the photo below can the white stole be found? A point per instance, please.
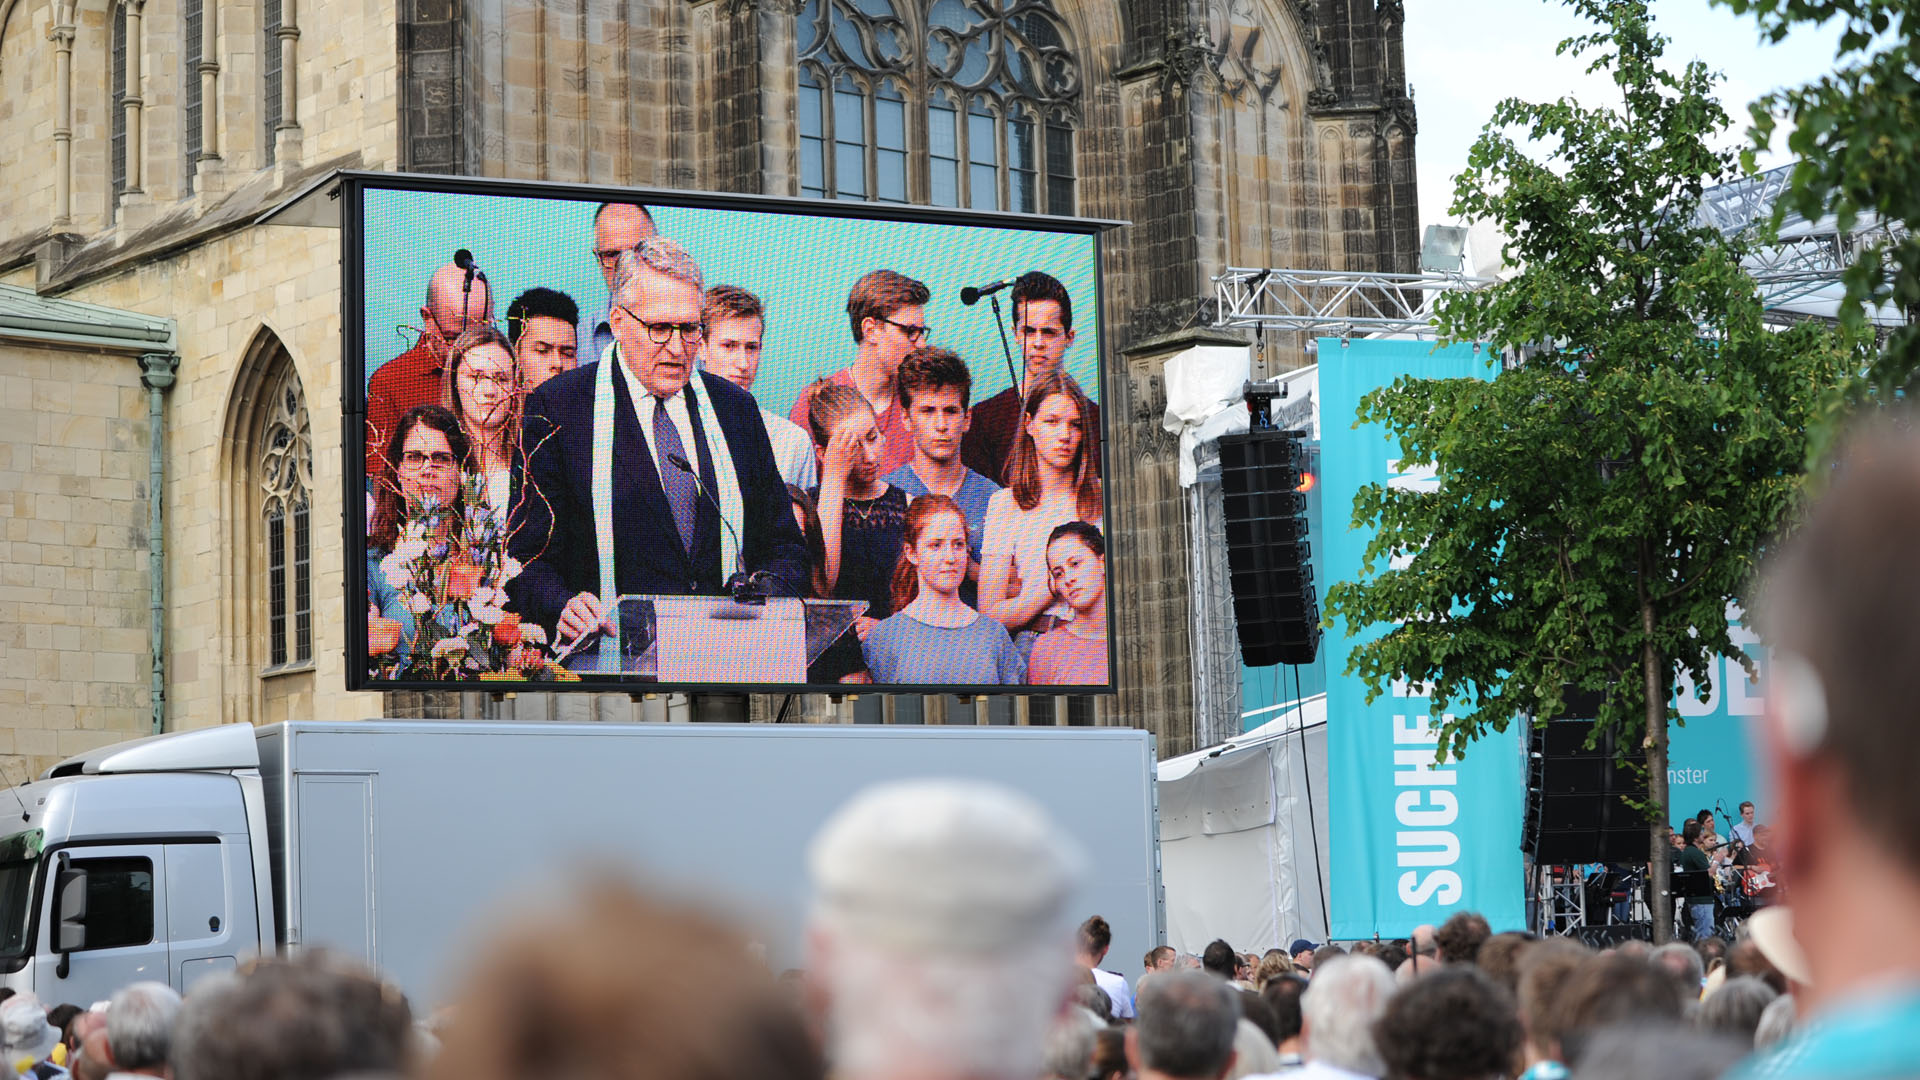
(726, 480)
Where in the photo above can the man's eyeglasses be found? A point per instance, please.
(417, 461)
(609, 257)
(691, 333)
(915, 332)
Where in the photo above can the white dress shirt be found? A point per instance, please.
(644, 405)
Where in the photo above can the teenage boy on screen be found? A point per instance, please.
(934, 387)
(1043, 331)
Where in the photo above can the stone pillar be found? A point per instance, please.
(62, 34)
(209, 81)
(131, 103)
(286, 137)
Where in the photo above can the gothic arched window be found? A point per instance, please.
(286, 513)
(967, 103)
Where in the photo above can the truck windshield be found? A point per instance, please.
(19, 854)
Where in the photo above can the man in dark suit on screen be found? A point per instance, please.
(640, 471)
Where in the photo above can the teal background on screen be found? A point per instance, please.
(801, 266)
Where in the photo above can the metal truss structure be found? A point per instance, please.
(1799, 271)
(1332, 303)
(1798, 274)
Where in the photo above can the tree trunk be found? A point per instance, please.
(1659, 848)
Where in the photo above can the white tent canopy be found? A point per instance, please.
(1243, 836)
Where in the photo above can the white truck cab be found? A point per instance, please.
(136, 861)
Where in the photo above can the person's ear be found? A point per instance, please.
(426, 319)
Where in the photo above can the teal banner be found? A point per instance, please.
(1710, 752)
(1411, 842)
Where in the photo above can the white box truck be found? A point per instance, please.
(176, 856)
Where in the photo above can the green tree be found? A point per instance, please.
(1856, 133)
(1601, 501)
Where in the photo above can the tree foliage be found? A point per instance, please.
(1602, 500)
(1856, 133)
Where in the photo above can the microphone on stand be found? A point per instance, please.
(971, 296)
(747, 589)
(464, 260)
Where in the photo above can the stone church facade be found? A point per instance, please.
(141, 139)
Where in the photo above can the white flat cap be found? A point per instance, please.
(944, 865)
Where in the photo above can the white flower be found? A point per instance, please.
(410, 549)
(395, 571)
(419, 604)
(487, 614)
(446, 646)
(533, 632)
(510, 569)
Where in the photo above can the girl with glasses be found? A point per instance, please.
(483, 389)
(425, 460)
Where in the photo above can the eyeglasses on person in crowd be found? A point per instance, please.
(915, 332)
(691, 333)
(418, 460)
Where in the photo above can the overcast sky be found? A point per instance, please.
(1463, 56)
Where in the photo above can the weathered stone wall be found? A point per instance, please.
(74, 657)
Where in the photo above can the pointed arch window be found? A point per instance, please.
(970, 103)
(286, 502)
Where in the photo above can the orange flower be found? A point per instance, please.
(507, 630)
(462, 578)
(524, 656)
(382, 635)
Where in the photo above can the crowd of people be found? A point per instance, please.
(523, 479)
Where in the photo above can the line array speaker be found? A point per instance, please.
(1274, 602)
(1577, 810)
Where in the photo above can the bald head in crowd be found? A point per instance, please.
(451, 307)
(939, 943)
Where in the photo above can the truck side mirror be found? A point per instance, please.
(70, 907)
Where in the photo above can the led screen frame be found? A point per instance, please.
(356, 190)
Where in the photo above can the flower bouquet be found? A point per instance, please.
(450, 567)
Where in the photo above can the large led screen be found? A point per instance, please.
(608, 441)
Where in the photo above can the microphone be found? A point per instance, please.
(971, 296)
(464, 260)
(747, 588)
